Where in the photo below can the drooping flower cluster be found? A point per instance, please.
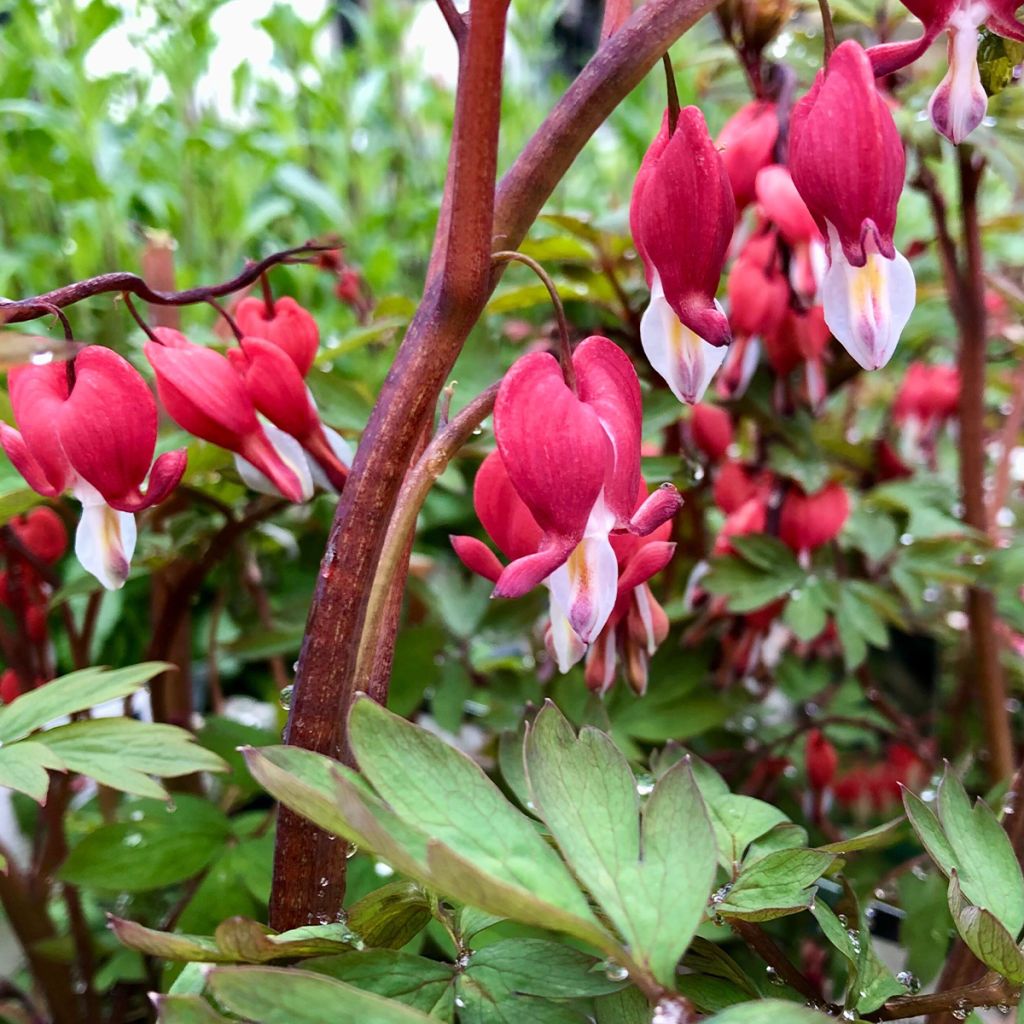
(90, 427)
(928, 398)
(817, 254)
(92, 431)
(34, 542)
(220, 399)
(561, 496)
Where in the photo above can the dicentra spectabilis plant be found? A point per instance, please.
(605, 709)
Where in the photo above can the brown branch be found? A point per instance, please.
(20, 310)
(981, 610)
(456, 23)
(767, 949)
(451, 305)
(991, 990)
(418, 482)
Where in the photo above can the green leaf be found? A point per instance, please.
(423, 984)
(984, 935)
(143, 855)
(738, 821)
(806, 612)
(23, 766)
(986, 865)
(123, 753)
(626, 1007)
(777, 1011)
(166, 945)
(390, 916)
(767, 553)
(538, 967)
(274, 995)
(186, 1010)
(925, 823)
(746, 586)
(836, 932)
(71, 693)
(710, 994)
(442, 792)
(339, 802)
(776, 885)
(874, 839)
(650, 872)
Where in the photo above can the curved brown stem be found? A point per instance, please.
(20, 310)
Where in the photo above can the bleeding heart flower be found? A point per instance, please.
(807, 521)
(278, 391)
(848, 164)
(821, 760)
(95, 439)
(41, 531)
(747, 141)
(735, 484)
(574, 459)
(288, 326)
(681, 216)
(711, 429)
(958, 105)
(205, 396)
(780, 202)
(758, 300)
(801, 340)
(928, 398)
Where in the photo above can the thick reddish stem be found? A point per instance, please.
(452, 303)
(981, 608)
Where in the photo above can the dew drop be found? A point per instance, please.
(285, 697)
(909, 981)
(645, 784)
(460, 1002)
(614, 971)
(719, 895)
(961, 1010)
(773, 976)
(383, 870)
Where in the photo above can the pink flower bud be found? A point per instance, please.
(807, 521)
(711, 428)
(290, 327)
(747, 141)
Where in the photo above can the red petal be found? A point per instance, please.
(34, 474)
(846, 155)
(165, 475)
(108, 425)
(291, 328)
(780, 202)
(501, 511)
(275, 386)
(202, 393)
(553, 446)
(657, 510)
(37, 395)
(747, 141)
(607, 382)
(476, 556)
(807, 521)
(647, 562)
(682, 216)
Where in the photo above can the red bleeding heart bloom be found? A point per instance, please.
(749, 517)
(747, 141)
(289, 326)
(807, 521)
(95, 439)
(821, 760)
(758, 300)
(682, 215)
(780, 202)
(711, 428)
(565, 476)
(959, 103)
(278, 391)
(801, 340)
(205, 396)
(10, 685)
(42, 533)
(735, 484)
(574, 460)
(848, 164)
(928, 394)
